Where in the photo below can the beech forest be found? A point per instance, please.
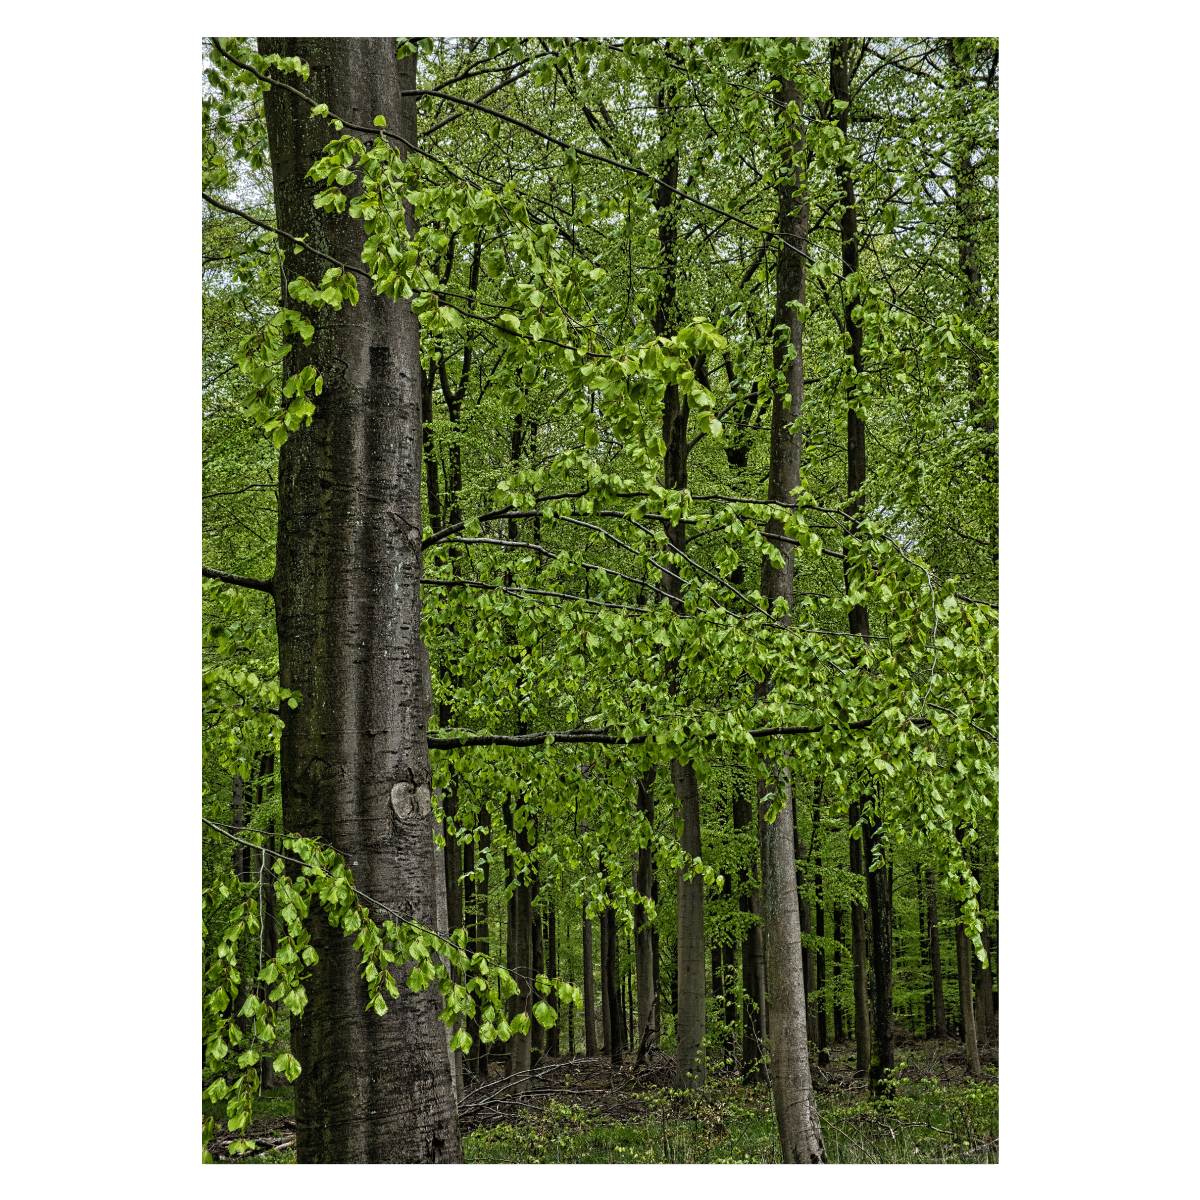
(600, 597)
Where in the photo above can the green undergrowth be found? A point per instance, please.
(929, 1120)
(731, 1123)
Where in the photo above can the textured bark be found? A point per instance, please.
(589, 992)
(354, 760)
(647, 1024)
(800, 1137)
(935, 956)
(800, 849)
(858, 954)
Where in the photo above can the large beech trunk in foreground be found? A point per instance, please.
(354, 761)
(800, 1138)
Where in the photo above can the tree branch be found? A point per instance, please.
(258, 585)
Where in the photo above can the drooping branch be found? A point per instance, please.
(571, 736)
(258, 585)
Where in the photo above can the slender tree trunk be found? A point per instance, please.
(589, 992)
(822, 1023)
(538, 967)
(839, 1031)
(858, 954)
(647, 1027)
(964, 1000)
(879, 902)
(551, 969)
(606, 1009)
(354, 761)
(608, 977)
(800, 1137)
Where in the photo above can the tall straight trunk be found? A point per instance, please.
(589, 991)
(935, 956)
(879, 902)
(606, 1009)
(521, 965)
(538, 967)
(689, 938)
(858, 954)
(800, 849)
(482, 1055)
(689, 934)
(609, 953)
(354, 760)
(965, 954)
(822, 1021)
(856, 477)
(551, 968)
(647, 1024)
(800, 1137)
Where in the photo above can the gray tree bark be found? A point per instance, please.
(354, 760)
(800, 1137)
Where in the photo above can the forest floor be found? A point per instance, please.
(581, 1110)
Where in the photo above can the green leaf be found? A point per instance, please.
(288, 1065)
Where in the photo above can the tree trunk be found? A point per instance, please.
(689, 936)
(538, 967)
(801, 856)
(791, 1084)
(800, 1137)
(879, 901)
(521, 968)
(647, 1026)
(964, 1000)
(354, 761)
(609, 952)
(589, 992)
(822, 1023)
(858, 954)
(553, 1040)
